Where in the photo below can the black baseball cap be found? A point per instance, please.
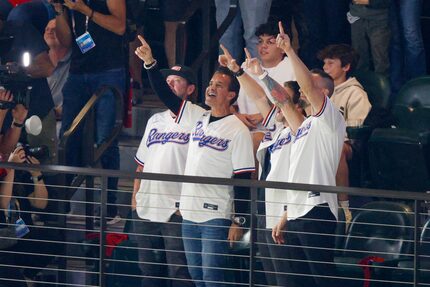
(181, 71)
(5, 8)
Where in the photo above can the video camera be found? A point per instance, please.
(14, 78)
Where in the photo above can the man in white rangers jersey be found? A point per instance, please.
(315, 155)
(273, 154)
(157, 202)
(220, 146)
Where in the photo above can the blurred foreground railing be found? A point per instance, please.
(386, 244)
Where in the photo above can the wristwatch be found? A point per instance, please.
(239, 220)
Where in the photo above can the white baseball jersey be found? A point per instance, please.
(281, 73)
(218, 149)
(163, 149)
(278, 141)
(315, 155)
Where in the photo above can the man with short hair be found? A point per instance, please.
(309, 217)
(220, 146)
(157, 202)
(60, 58)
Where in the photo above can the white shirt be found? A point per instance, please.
(281, 73)
(315, 155)
(163, 149)
(278, 141)
(218, 149)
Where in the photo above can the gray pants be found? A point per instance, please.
(371, 39)
(155, 237)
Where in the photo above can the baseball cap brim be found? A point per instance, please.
(188, 75)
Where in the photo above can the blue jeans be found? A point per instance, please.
(77, 90)
(205, 246)
(407, 48)
(252, 13)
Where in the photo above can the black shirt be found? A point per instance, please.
(28, 39)
(109, 50)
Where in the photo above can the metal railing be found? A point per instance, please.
(88, 263)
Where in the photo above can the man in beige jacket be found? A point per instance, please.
(350, 98)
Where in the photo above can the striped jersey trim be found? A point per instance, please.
(243, 170)
(181, 112)
(269, 116)
(322, 108)
(138, 161)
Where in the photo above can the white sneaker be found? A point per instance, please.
(114, 220)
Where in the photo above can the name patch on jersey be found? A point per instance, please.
(212, 142)
(303, 131)
(210, 206)
(156, 137)
(313, 194)
(279, 143)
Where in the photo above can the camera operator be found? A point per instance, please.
(24, 193)
(94, 29)
(26, 39)
(9, 140)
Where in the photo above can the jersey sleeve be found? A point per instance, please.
(242, 153)
(269, 120)
(142, 151)
(189, 114)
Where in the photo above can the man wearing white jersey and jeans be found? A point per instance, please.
(220, 146)
(157, 202)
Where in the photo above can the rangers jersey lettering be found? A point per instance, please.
(156, 137)
(163, 149)
(220, 148)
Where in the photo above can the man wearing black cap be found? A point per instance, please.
(157, 202)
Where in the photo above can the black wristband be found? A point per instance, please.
(18, 125)
(37, 178)
(91, 15)
(239, 73)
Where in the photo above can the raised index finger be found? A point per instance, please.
(281, 28)
(226, 52)
(248, 54)
(142, 40)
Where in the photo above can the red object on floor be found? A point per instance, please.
(18, 2)
(112, 240)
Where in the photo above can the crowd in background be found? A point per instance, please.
(78, 46)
